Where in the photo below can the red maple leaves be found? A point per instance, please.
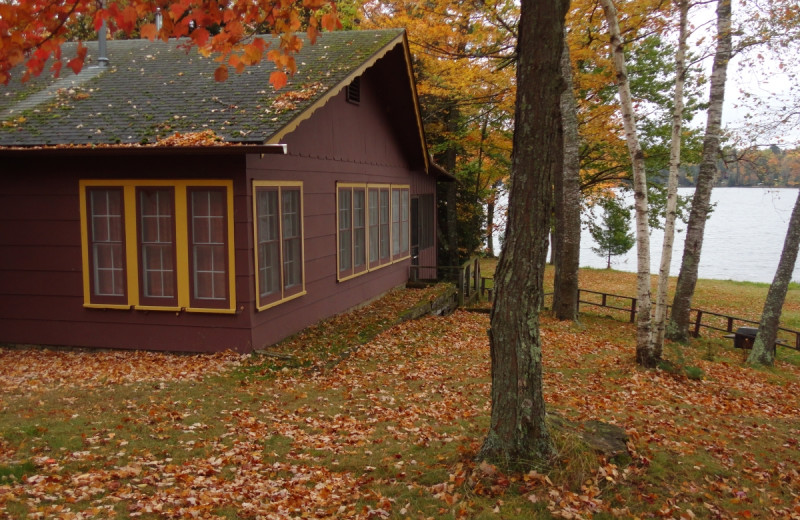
(32, 32)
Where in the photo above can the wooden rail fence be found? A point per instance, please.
(466, 276)
(699, 318)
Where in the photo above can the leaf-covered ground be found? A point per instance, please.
(390, 431)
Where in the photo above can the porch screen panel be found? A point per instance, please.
(107, 245)
(208, 223)
(269, 268)
(292, 241)
(157, 246)
(404, 221)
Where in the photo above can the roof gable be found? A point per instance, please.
(154, 89)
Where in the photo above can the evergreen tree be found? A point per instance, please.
(613, 235)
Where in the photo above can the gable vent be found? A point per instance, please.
(354, 91)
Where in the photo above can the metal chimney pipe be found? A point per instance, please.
(102, 60)
(159, 20)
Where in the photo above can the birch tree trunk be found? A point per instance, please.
(518, 434)
(678, 327)
(645, 356)
(660, 320)
(568, 217)
(763, 352)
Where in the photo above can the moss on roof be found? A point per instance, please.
(154, 89)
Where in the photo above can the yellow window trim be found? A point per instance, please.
(203, 310)
(284, 300)
(367, 187)
(279, 185)
(156, 308)
(106, 306)
(181, 241)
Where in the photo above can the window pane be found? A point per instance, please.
(208, 215)
(373, 225)
(345, 229)
(395, 222)
(156, 222)
(108, 267)
(268, 246)
(292, 266)
(292, 244)
(384, 230)
(359, 228)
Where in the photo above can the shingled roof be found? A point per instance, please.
(154, 89)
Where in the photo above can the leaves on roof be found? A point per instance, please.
(289, 100)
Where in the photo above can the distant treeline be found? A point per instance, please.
(766, 167)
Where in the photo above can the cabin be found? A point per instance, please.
(143, 205)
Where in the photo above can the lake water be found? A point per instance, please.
(743, 238)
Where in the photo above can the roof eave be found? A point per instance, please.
(97, 151)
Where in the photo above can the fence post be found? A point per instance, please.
(730, 324)
(696, 333)
(476, 275)
(633, 310)
(460, 287)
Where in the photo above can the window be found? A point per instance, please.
(158, 245)
(370, 219)
(207, 215)
(345, 231)
(278, 221)
(106, 245)
(156, 221)
(400, 222)
(352, 226)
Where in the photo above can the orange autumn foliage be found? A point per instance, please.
(32, 32)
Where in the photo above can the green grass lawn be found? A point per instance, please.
(366, 417)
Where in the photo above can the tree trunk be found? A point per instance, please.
(764, 345)
(490, 208)
(490, 227)
(568, 220)
(678, 327)
(518, 434)
(645, 356)
(660, 320)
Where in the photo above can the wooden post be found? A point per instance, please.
(460, 287)
(730, 324)
(696, 332)
(633, 310)
(477, 274)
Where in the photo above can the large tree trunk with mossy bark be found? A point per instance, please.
(763, 352)
(678, 326)
(568, 205)
(518, 434)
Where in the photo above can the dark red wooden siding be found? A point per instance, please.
(343, 142)
(41, 284)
